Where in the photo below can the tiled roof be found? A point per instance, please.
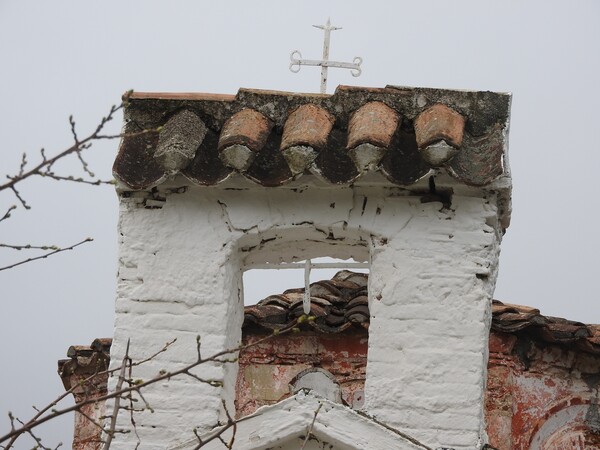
(272, 137)
(336, 305)
(554, 330)
(341, 303)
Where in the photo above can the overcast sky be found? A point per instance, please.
(76, 57)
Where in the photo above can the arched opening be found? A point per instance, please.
(309, 299)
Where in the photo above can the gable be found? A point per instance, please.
(284, 426)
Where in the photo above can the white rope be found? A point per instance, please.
(306, 299)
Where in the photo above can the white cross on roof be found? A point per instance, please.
(324, 63)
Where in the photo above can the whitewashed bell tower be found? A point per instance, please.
(412, 181)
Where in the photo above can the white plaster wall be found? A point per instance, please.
(430, 317)
(180, 276)
(284, 426)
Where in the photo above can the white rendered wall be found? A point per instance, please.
(430, 289)
(431, 279)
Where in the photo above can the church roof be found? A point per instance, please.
(272, 138)
(341, 303)
(336, 305)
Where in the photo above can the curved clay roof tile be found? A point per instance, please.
(439, 132)
(370, 133)
(481, 158)
(178, 141)
(305, 133)
(243, 135)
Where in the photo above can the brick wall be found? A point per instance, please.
(541, 396)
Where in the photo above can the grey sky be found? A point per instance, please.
(73, 57)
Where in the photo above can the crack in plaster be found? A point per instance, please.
(227, 218)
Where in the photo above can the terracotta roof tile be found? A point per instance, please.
(439, 133)
(370, 133)
(336, 305)
(305, 134)
(243, 135)
(439, 122)
(207, 137)
(342, 302)
(479, 161)
(102, 345)
(514, 318)
(307, 125)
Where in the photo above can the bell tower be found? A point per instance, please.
(413, 181)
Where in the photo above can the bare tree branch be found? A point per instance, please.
(136, 386)
(218, 432)
(55, 402)
(83, 382)
(7, 213)
(46, 255)
(44, 167)
(30, 247)
(310, 428)
(38, 440)
(113, 417)
(233, 423)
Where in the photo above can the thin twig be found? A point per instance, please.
(38, 440)
(46, 255)
(119, 393)
(131, 411)
(21, 199)
(48, 162)
(29, 247)
(91, 419)
(53, 176)
(113, 418)
(310, 428)
(233, 423)
(7, 213)
(84, 382)
(51, 405)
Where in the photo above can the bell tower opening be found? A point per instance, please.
(315, 308)
(269, 279)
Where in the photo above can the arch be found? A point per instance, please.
(318, 380)
(292, 244)
(562, 424)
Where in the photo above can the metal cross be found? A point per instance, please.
(296, 58)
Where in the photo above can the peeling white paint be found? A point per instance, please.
(432, 275)
(284, 426)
